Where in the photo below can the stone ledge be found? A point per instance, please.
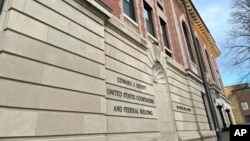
(96, 7)
(208, 134)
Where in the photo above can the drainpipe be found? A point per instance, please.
(205, 84)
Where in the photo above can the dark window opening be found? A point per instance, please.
(1, 6)
(159, 6)
(164, 33)
(168, 53)
(165, 37)
(128, 8)
(247, 118)
(188, 41)
(149, 19)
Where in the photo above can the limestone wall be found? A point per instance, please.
(70, 72)
(52, 76)
(131, 104)
(188, 106)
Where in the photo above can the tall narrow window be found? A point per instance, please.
(128, 8)
(202, 59)
(1, 6)
(149, 19)
(210, 65)
(165, 37)
(188, 41)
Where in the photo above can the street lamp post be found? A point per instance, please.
(219, 106)
(229, 116)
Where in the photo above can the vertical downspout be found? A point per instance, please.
(205, 84)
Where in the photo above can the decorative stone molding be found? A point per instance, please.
(158, 74)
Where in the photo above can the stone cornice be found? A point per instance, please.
(202, 28)
(200, 25)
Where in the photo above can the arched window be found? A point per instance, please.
(188, 40)
(210, 65)
(202, 58)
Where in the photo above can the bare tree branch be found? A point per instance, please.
(238, 42)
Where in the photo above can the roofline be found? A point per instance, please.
(203, 29)
(236, 85)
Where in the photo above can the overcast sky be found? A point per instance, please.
(215, 14)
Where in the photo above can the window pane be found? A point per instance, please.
(244, 106)
(248, 118)
(146, 14)
(164, 33)
(148, 19)
(128, 8)
(188, 42)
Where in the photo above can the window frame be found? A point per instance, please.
(188, 41)
(148, 17)
(242, 104)
(131, 9)
(165, 37)
(247, 117)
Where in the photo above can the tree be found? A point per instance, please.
(238, 43)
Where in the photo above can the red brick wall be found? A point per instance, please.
(142, 24)
(172, 35)
(179, 12)
(114, 5)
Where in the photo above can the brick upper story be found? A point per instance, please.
(172, 12)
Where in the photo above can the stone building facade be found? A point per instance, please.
(105, 70)
(239, 96)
